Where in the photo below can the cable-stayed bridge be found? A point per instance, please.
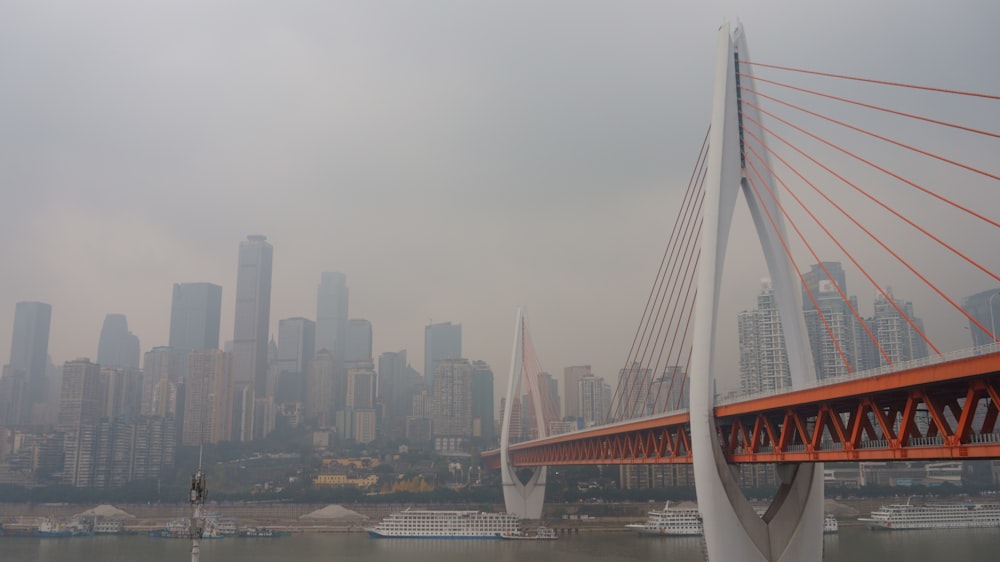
(903, 186)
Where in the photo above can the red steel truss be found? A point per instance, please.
(942, 411)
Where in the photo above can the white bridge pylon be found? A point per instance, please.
(792, 528)
(524, 499)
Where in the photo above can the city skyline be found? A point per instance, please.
(442, 166)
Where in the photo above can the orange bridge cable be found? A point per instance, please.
(689, 244)
(884, 205)
(871, 235)
(874, 107)
(687, 280)
(681, 218)
(877, 136)
(874, 81)
(671, 305)
(689, 308)
(812, 251)
(865, 230)
(681, 247)
(688, 196)
(834, 239)
(676, 262)
(684, 379)
(791, 260)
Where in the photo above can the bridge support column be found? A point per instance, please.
(792, 528)
(524, 499)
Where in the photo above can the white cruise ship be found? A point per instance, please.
(686, 521)
(933, 516)
(433, 524)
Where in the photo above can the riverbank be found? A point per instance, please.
(353, 518)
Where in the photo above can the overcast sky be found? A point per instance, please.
(455, 160)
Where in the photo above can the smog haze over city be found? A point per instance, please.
(455, 160)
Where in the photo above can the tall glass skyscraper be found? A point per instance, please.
(195, 316)
(118, 347)
(441, 341)
(29, 346)
(331, 313)
(250, 337)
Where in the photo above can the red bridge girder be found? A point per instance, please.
(943, 411)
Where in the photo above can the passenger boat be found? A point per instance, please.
(933, 516)
(686, 521)
(50, 528)
(675, 521)
(428, 524)
(541, 534)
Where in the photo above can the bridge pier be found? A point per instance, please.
(792, 528)
(524, 499)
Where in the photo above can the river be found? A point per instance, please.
(851, 544)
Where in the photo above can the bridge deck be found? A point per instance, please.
(946, 410)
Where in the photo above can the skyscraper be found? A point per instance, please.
(359, 340)
(571, 389)
(250, 337)
(331, 313)
(319, 406)
(595, 400)
(985, 308)
(452, 405)
(763, 360)
(195, 316)
(79, 411)
(118, 347)
(897, 330)
(296, 338)
(483, 419)
(29, 348)
(207, 397)
(441, 341)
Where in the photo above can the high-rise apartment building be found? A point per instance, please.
(483, 419)
(595, 400)
(897, 330)
(296, 338)
(835, 334)
(332, 297)
(79, 412)
(250, 338)
(29, 348)
(763, 359)
(571, 389)
(397, 383)
(207, 402)
(359, 341)
(452, 404)
(118, 347)
(319, 406)
(195, 316)
(441, 341)
(984, 307)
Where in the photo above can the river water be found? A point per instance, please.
(851, 544)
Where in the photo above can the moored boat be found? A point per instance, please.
(541, 534)
(909, 516)
(686, 521)
(432, 524)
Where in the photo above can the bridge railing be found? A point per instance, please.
(721, 400)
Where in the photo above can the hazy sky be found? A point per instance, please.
(454, 159)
